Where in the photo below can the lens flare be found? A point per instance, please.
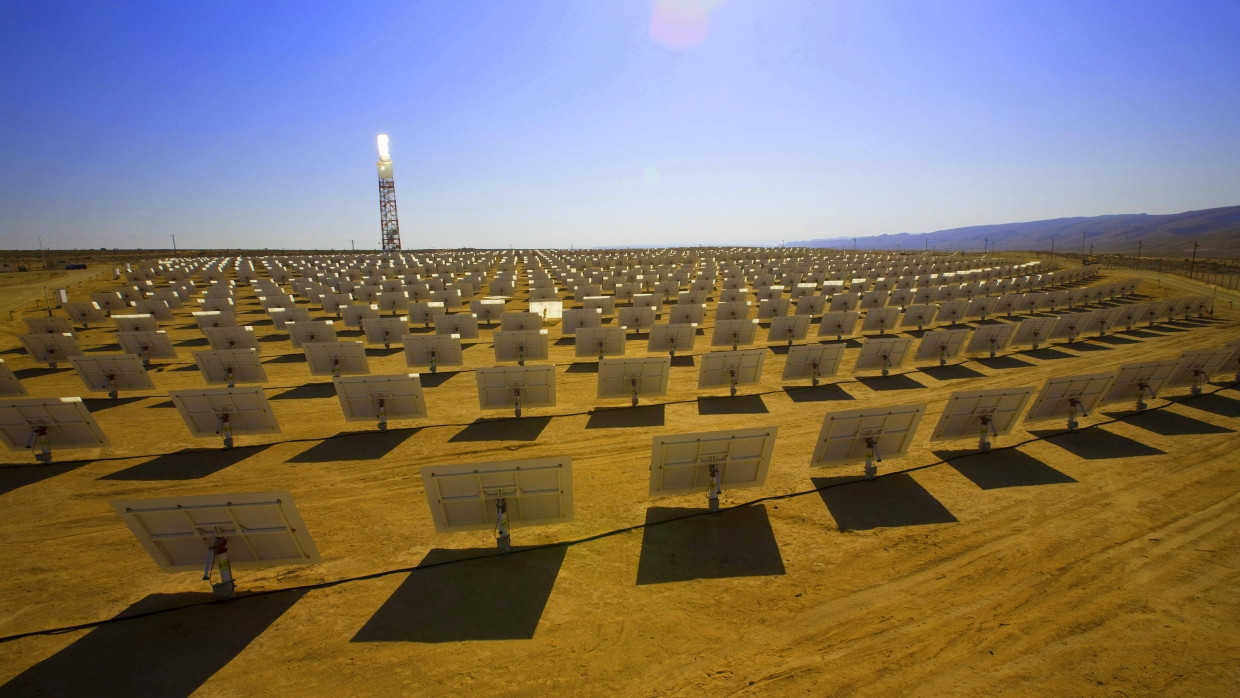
(680, 24)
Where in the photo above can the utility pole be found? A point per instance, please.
(43, 254)
(1082, 245)
(1138, 255)
(985, 243)
(1192, 265)
(174, 244)
(1052, 247)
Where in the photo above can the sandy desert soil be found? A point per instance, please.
(1098, 562)
(32, 290)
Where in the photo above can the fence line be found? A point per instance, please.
(1203, 271)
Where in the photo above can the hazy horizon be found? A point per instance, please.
(617, 123)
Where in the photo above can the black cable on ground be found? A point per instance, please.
(576, 541)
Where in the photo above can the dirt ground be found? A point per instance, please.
(1097, 562)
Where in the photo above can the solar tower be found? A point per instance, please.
(389, 227)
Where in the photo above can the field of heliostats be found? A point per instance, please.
(619, 472)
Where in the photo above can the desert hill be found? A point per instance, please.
(1217, 230)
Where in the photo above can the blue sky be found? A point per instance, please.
(604, 122)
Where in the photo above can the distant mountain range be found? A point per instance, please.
(1217, 230)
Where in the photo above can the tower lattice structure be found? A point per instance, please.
(389, 226)
(388, 223)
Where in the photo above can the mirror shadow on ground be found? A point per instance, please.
(736, 542)
(469, 594)
(166, 654)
